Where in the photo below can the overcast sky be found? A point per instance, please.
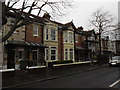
(82, 10)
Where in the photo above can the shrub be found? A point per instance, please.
(94, 58)
(23, 64)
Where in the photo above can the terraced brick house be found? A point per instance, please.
(59, 38)
(69, 41)
(80, 49)
(34, 37)
(25, 43)
(86, 44)
(91, 43)
(117, 47)
(105, 46)
(12, 46)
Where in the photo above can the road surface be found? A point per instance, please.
(107, 77)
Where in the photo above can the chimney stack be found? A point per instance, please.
(46, 16)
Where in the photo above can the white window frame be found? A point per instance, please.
(46, 33)
(51, 34)
(49, 53)
(66, 54)
(53, 48)
(72, 53)
(35, 30)
(71, 37)
(66, 37)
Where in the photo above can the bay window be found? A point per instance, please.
(46, 34)
(71, 37)
(68, 37)
(53, 34)
(71, 54)
(65, 37)
(50, 34)
(66, 54)
(53, 53)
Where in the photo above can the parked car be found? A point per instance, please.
(114, 61)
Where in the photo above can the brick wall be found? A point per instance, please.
(60, 46)
(29, 34)
(80, 41)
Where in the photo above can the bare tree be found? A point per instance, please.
(22, 14)
(101, 21)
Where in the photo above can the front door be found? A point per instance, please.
(10, 58)
(35, 57)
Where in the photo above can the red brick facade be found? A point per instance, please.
(29, 34)
(80, 41)
(60, 46)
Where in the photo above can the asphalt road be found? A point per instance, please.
(107, 77)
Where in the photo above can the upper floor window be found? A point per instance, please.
(35, 30)
(53, 34)
(76, 38)
(65, 36)
(71, 37)
(50, 34)
(68, 37)
(46, 34)
(71, 54)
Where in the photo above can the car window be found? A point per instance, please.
(116, 58)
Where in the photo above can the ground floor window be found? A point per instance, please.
(68, 54)
(51, 53)
(71, 54)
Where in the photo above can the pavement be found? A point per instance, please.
(17, 78)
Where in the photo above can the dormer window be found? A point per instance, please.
(35, 30)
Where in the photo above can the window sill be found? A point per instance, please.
(35, 36)
(68, 43)
(51, 40)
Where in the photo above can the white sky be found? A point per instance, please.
(81, 12)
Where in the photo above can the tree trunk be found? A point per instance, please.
(99, 42)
